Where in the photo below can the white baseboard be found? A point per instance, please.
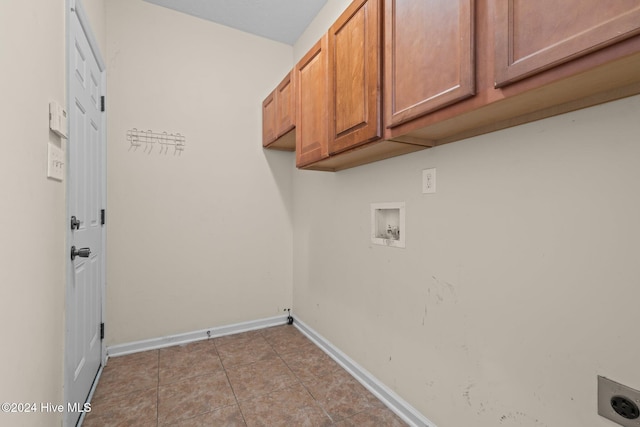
(394, 402)
(155, 343)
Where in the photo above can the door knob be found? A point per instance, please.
(75, 223)
(82, 253)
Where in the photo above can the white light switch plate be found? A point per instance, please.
(57, 119)
(429, 181)
(55, 162)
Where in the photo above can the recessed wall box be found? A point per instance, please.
(388, 224)
(58, 119)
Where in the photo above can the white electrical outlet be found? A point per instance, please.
(429, 181)
(55, 162)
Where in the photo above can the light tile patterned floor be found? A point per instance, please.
(271, 377)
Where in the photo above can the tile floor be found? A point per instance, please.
(271, 377)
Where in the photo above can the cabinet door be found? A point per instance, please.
(311, 102)
(354, 76)
(532, 36)
(285, 105)
(269, 132)
(429, 56)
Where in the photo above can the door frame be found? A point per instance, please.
(75, 7)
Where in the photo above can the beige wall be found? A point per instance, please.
(519, 281)
(33, 251)
(203, 239)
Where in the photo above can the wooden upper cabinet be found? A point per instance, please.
(429, 56)
(355, 76)
(532, 36)
(278, 116)
(269, 132)
(312, 104)
(285, 105)
(443, 65)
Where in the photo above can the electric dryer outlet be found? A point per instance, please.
(618, 403)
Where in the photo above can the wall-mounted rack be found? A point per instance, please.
(138, 138)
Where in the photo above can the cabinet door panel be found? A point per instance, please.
(429, 56)
(532, 36)
(285, 106)
(354, 76)
(311, 111)
(269, 132)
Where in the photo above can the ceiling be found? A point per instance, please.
(280, 20)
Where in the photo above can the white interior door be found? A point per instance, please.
(85, 196)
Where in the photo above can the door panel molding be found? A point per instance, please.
(75, 6)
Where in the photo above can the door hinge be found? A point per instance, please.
(103, 215)
(101, 331)
(102, 103)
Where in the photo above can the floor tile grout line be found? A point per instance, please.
(306, 387)
(226, 374)
(302, 383)
(278, 356)
(252, 362)
(206, 374)
(285, 363)
(188, 377)
(320, 405)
